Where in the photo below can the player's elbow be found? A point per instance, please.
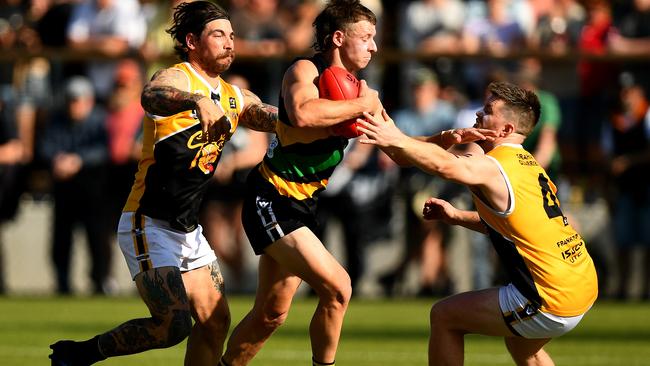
(301, 119)
(301, 123)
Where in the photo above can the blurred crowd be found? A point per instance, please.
(71, 73)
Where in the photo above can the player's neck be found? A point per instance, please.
(333, 58)
(211, 78)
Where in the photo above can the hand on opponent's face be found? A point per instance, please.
(466, 135)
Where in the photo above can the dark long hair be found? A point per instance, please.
(337, 15)
(191, 18)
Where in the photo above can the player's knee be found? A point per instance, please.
(437, 315)
(216, 325)
(271, 319)
(337, 294)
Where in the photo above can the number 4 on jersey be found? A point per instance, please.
(551, 203)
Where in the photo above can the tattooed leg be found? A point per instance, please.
(210, 310)
(170, 323)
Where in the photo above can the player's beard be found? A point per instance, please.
(221, 63)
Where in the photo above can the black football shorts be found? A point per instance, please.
(268, 216)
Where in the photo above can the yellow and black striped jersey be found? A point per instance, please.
(546, 259)
(177, 160)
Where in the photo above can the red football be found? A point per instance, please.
(336, 83)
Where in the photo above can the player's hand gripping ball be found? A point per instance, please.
(336, 83)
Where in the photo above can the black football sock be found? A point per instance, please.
(317, 363)
(77, 353)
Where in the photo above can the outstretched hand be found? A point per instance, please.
(380, 130)
(466, 135)
(438, 209)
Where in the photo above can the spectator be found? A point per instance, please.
(496, 33)
(111, 28)
(629, 164)
(542, 141)
(431, 26)
(597, 79)
(155, 48)
(75, 144)
(123, 126)
(11, 155)
(558, 28)
(51, 26)
(424, 239)
(633, 36)
(297, 18)
(632, 39)
(260, 33)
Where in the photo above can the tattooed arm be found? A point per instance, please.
(166, 94)
(256, 114)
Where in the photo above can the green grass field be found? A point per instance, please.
(376, 332)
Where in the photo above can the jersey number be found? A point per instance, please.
(551, 204)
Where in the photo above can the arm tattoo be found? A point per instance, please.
(166, 100)
(260, 117)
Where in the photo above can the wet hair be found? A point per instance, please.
(192, 17)
(522, 106)
(338, 15)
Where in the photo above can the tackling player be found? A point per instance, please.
(191, 114)
(553, 277)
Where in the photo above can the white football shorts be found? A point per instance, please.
(527, 321)
(150, 243)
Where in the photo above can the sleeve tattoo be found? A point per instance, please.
(257, 115)
(160, 98)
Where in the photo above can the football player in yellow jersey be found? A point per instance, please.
(553, 279)
(191, 113)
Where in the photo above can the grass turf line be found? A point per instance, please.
(376, 332)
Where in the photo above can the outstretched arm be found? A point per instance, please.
(438, 209)
(166, 94)
(472, 169)
(256, 114)
(448, 138)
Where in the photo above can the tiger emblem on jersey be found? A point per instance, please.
(208, 154)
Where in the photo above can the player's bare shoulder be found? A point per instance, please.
(172, 76)
(301, 71)
(168, 93)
